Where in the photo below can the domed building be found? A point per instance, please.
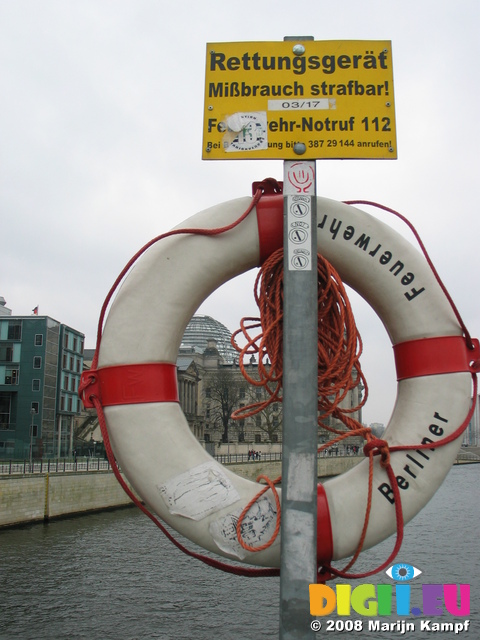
(211, 386)
(201, 329)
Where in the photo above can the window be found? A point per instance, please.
(74, 343)
(62, 403)
(64, 366)
(35, 407)
(71, 363)
(38, 339)
(65, 382)
(258, 438)
(4, 411)
(11, 376)
(241, 392)
(78, 365)
(15, 330)
(37, 362)
(70, 401)
(73, 384)
(65, 341)
(36, 384)
(6, 353)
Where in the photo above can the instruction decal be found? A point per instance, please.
(199, 492)
(258, 526)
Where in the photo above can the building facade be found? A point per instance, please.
(41, 361)
(210, 387)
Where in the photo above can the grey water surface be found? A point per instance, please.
(113, 575)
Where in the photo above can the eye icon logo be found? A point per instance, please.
(403, 572)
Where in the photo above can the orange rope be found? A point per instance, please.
(339, 371)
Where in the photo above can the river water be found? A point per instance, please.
(113, 575)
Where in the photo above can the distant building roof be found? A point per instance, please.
(202, 328)
(183, 362)
(4, 310)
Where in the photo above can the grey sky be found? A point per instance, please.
(101, 111)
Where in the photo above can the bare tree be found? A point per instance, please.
(222, 390)
(269, 419)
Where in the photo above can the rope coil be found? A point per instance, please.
(339, 347)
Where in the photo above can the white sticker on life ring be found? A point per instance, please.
(198, 492)
(257, 528)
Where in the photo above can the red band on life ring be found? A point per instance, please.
(324, 528)
(132, 384)
(433, 356)
(270, 224)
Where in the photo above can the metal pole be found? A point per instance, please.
(299, 462)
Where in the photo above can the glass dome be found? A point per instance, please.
(202, 328)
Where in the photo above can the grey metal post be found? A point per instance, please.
(299, 464)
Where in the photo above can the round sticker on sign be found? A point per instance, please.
(246, 131)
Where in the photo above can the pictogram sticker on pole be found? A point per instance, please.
(317, 99)
(299, 190)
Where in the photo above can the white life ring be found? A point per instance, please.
(152, 441)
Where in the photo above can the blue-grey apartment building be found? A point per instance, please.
(41, 361)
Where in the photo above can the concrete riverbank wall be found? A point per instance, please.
(40, 497)
(36, 497)
(332, 466)
(43, 496)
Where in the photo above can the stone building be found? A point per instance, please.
(211, 386)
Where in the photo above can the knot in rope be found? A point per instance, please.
(378, 447)
(323, 575)
(87, 379)
(268, 186)
(475, 366)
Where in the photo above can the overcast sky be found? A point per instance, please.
(101, 136)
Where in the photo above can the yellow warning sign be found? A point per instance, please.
(307, 98)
